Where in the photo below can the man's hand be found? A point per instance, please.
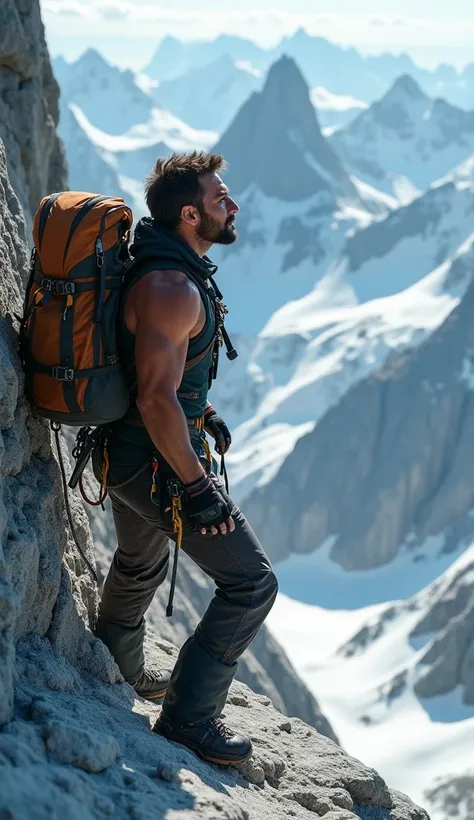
(217, 428)
(209, 509)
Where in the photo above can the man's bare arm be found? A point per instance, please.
(165, 312)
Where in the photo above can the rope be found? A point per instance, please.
(56, 428)
(223, 471)
(178, 531)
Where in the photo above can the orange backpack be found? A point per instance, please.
(68, 335)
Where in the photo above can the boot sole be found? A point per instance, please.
(221, 762)
(216, 760)
(152, 696)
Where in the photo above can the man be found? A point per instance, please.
(168, 328)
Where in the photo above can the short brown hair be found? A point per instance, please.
(174, 183)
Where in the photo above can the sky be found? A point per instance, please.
(127, 32)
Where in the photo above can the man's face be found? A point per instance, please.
(217, 212)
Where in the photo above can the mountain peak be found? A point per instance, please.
(406, 85)
(284, 71)
(275, 141)
(91, 59)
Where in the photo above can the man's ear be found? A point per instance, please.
(190, 215)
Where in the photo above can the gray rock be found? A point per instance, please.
(29, 106)
(85, 749)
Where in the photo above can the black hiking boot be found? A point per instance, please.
(212, 740)
(152, 684)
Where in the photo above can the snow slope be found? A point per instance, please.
(357, 627)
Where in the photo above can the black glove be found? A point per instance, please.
(217, 428)
(206, 504)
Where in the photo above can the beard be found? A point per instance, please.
(211, 231)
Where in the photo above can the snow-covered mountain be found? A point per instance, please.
(380, 495)
(405, 432)
(110, 97)
(402, 636)
(406, 140)
(209, 97)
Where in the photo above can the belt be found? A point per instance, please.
(198, 422)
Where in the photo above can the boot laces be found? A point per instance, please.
(221, 728)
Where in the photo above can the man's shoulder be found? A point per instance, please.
(169, 282)
(162, 295)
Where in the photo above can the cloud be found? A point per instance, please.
(65, 8)
(384, 20)
(148, 19)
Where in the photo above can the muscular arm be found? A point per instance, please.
(163, 313)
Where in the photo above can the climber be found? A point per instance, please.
(170, 327)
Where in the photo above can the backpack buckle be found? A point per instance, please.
(63, 374)
(58, 286)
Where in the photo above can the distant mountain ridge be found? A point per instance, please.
(340, 69)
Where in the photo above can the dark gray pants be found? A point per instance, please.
(246, 588)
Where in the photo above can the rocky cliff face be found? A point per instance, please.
(29, 106)
(64, 712)
(45, 599)
(377, 444)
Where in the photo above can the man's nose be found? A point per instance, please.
(232, 207)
